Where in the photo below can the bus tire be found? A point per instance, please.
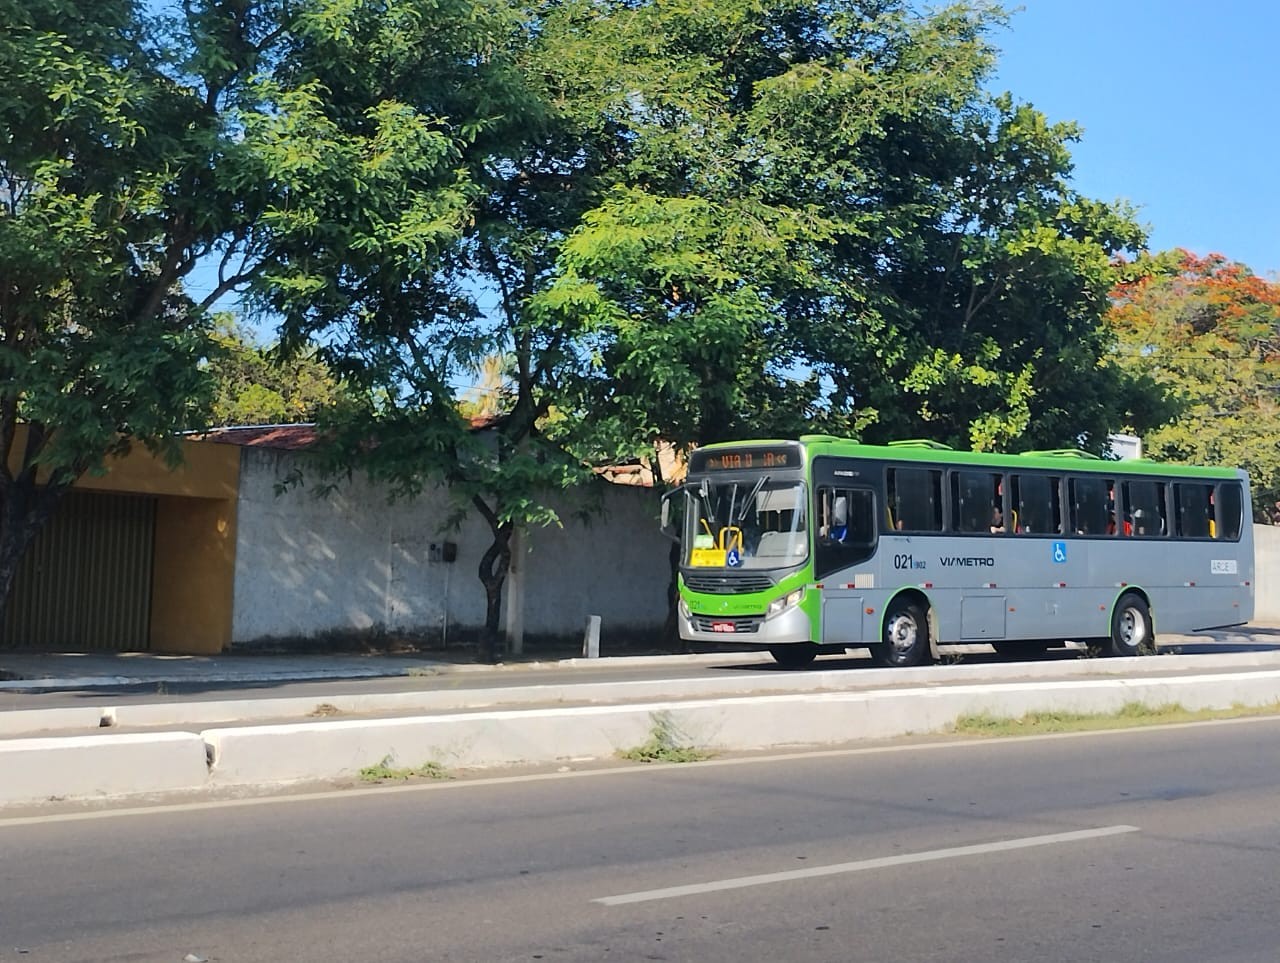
(905, 640)
(1132, 632)
(794, 656)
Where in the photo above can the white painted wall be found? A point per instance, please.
(351, 563)
(1266, 554)
(615, 567)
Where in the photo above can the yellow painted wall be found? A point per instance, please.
(210, 470)
(194, 576)
(195, 539)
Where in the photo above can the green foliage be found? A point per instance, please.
(815, 216)
(99, 219)
(387, 771)
(1130, 715)
(667, 743)
(256, 385)
(1206, 332)
(309, 152)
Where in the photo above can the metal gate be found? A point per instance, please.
(85, 581)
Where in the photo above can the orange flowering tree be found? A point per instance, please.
(1206, 332)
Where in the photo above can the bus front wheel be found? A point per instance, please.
(1132, 632)
(794, 656)
(906, 636)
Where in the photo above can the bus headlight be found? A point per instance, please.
(685, 610)
(780, 605)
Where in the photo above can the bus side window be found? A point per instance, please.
(1144, 509)
(1193, 508)
(1090, 508)
(915, 499)
(847, 528)
(1037, 504)
(976, 504)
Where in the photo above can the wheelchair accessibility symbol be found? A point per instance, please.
(1059, 552)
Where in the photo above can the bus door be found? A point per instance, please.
(844, 543)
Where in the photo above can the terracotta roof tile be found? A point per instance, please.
(284, 437)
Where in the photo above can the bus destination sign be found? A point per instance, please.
(746, 459)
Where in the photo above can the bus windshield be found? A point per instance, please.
(746, 524)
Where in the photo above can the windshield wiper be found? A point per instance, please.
(704, 492)
(742, 517)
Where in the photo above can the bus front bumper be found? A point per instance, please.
(789, 626)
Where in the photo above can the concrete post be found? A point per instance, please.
(591, 640)
(515, 596)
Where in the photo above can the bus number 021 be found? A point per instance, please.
(906, 561)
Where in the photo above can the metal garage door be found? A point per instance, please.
(85, 582)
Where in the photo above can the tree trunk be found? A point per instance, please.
(494, 565)
(24, 509)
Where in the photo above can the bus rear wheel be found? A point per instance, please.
(794, 656)
(905, 640)
(1132, 632)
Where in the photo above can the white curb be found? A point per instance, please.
(100, 767)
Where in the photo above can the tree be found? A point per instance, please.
(819, 218)
(1205, 330)
(393, 304)
(258, 136)
(256, 385)
(98, 348)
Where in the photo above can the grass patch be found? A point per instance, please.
(667, 743)
(1131, 715)
(385, 771)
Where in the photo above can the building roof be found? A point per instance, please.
(292, 437)
(282, 437)
(302, 436)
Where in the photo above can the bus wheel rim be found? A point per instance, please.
(1132, 631)
(902, 632)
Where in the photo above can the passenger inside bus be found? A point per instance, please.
(839, 529)
(1111, 524)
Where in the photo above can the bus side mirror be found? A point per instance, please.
(668, 525)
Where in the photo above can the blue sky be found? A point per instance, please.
(1180, 105)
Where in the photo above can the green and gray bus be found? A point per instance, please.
(823, 544)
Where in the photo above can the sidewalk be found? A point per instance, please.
(34, 671)
(30, 671)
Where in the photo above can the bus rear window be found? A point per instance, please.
(1230, 512)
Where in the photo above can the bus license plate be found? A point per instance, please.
(723, 627)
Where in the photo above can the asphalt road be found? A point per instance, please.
(1154, 845)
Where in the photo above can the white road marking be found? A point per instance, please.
(862, 865)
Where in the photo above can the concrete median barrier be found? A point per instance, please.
(100, 767)
(264, 755)
(109, 765)
(33, 722)
(257, 755)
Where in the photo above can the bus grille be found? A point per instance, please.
(706, 623)
(728, 584)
